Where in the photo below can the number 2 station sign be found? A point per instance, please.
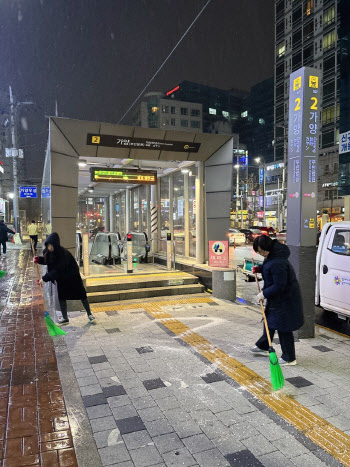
(303, 132)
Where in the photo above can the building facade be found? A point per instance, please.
(217, 104)
(154, 111)
(315, 33)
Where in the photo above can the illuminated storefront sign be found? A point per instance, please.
(111, 141)
(304, 105)
(275, 166)
(344, 142)
(172, 90)
(261, 176)
(99, 174)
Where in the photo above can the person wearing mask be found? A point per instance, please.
(63, 269)
(284, 309)
(33, 234)
(4, 230)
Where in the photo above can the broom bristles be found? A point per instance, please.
(277, 378)
(53, 329)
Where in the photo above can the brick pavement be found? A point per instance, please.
(34, 427)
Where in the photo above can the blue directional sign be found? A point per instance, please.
(28, 192)
(46, 192)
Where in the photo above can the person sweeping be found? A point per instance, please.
(63, 269)
(284, 309)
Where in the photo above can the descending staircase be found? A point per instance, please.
(136, 286)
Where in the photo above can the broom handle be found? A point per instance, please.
(36, 264)
(262, 309)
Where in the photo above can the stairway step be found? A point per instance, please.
(115, 295)
(139, 282)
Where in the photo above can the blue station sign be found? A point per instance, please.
(28, 192)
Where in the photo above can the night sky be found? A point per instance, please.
(95, 56)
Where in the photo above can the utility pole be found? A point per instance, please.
(14, 162)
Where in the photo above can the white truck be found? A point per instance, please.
(332, 290)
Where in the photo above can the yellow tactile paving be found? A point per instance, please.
(109, 279)
(321, 432)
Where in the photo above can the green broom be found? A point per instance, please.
(53, 329)
(2, 274)
(277, 378)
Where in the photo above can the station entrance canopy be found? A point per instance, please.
(120, 146)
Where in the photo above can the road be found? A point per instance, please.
(247, 291)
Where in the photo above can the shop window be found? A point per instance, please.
(280, 49)
(184, 123)
(184, 111)
(195, 113)
(329, 40)
(329, 16)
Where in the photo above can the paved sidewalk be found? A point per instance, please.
(159, 383)
(162, 382)
(34, 427)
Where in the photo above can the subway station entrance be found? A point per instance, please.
(159, 186)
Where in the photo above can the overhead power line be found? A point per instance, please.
(164, 62)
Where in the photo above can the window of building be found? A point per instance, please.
(244, 114)
(195, 124)
(280, 28)
(173, 110)
(225, 114)
(326, 169)
(296, 61)
(328, 115)
(172, 122)
(328, 90)
(184, 111)
(279, 7)
(154, 110)
(279, 91)
(335, 167)
(212, 111)
(308, 52)
(327, 139)
(166, 122)
(329, 40)
(165, 109)
(195, 113)
(279, 71)
(280, 111)
(329, 16)
(297, 38)
(308, 7)
(296, 16)
(184, 123)
(308, 30)
(280, 49)
(328, 65)
(261, 121)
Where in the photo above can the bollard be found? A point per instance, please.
(168, 251)
(129, 253)
(86, 254)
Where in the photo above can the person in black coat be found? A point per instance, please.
(284, 309)
(4, 230)
(63, 269)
